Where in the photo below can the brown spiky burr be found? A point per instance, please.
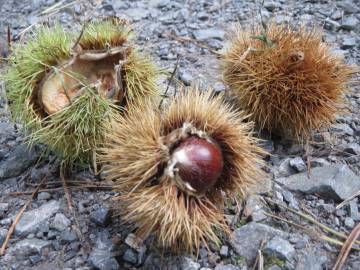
(288, 80)
(175, 167)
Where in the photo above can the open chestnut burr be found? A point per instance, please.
(175, 168)
(63, 86)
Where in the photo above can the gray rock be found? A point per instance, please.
(159, 3)
(254, 208)
(219, 87)
(310, 260)
(28, 247)
(326, 208)
(204, 34)
(31, 220)
(246, 240)
(319, 162)
(108, 7)
(342, 128)
(280, 249)
(224, 251)
(298, 164)
(6, 222)
(35, 258)
(101, 260)
(227, 267)
(60, 222)
(352, 148)
(4, 207)
(354, 210)
(68, 236)
(331, 25)
(136, 14)
(6, 129)
(18, 161)
(284, 168)
(100, 257)
(349, 7)
(290, 199)
(188, 264)
(136, 243)
(185, 77)
(300, 241)
(101, 216)
(348, 43)
(103, 241)
(349, 23)
(337, 15)
(343, 54)
(44, 196)
(130, 256)
(336, 182)
(274, 267)
(271, 6)
(349, 223)
(263, 187)
(277, 195)
(3, 233)
(32, 19)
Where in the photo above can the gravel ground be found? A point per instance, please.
(46, 237)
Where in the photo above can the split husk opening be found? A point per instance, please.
(64, 92)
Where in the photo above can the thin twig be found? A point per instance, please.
(312, 220)
(80, 35)
(69, 203)
(307, 155)
(238, 212)
(81, 183)
(346, 201)
(344, 253)
(60, 188)
(58, 6)
(259, 259)
(94, 162)
(18, 217)
(310, 232)
(9, 39)
(66, 190)
(170, 80)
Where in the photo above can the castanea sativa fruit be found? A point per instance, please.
(175, 167)
(64, 85)
(287, 80)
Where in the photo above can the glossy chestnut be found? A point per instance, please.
(199, 163)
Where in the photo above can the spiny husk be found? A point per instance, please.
(75, 131)
(29, 64)
(288, 80)
(72, 132)
(135, 157)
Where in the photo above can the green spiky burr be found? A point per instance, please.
(65, 86)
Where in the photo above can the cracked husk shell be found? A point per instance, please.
(65, 86)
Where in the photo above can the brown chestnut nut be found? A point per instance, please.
(199, 163)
